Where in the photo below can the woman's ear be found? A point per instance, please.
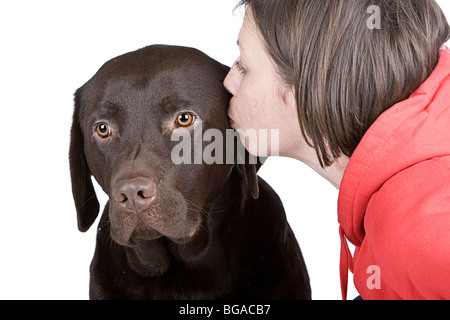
(86, 202)
(289, 102)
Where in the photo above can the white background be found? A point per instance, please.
(50, 48)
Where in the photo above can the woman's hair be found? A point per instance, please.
(346, 72)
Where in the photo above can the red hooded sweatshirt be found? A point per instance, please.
(394, 200)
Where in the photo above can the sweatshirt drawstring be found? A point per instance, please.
(346, 263)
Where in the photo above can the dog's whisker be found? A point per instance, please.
(204, 210)
(88, 199)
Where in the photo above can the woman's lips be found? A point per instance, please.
(231, 120)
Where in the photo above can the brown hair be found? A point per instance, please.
(345, 74)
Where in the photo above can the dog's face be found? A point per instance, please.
(124, 120)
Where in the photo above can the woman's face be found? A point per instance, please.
(261, 103)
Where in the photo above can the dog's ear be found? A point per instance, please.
(86, 202)
(249, 168)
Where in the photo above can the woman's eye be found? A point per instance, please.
(103, 130)
(185, 120)
(240, 67)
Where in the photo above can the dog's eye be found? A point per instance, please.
(185, 119)
(103, 130)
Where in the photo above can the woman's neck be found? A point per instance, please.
(332, 174)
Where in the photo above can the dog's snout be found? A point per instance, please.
(135, 195)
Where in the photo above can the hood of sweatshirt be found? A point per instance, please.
(410, 132)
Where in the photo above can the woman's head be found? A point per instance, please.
(260, 99)
(339, 74)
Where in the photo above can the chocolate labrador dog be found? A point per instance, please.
(174, 231)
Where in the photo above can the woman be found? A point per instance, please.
(360, 91)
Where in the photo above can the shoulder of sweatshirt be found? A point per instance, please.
(407, 223)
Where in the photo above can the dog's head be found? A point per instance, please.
(123, 132)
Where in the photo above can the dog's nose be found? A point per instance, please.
(135, 195)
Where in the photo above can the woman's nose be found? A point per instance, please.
(232, 80)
